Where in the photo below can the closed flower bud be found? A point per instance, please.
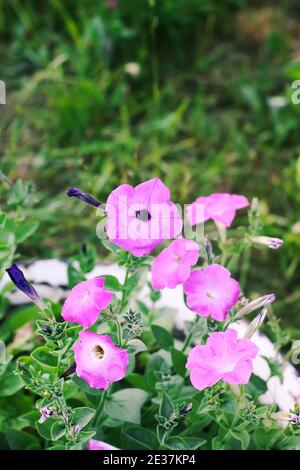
(270, 242)
(256, 304)
(256, 323)
(85, 197)
(18, 278)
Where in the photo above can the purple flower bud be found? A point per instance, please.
(45, 414)
(85, 197)
(18, 278)
(77, 429)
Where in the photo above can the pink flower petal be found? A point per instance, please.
(85, 302)
(141, 218)
(223, 357)
(98, 360)
(211, 291)
(173, 265)
(220, 207)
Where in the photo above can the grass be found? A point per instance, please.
(198, 114)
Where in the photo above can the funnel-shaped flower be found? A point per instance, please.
(173, 265)
(141, 218)
(98, 360)
(220, 207)
(223, 357)
(19, 280)
(85, 301)
(211, 291)
(93, 444)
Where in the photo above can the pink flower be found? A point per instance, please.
(211, 291)
(85, 302)
(100, 445)
(173, 265)
(141, 218)
(98, 360)
(223, 357)
(220, 207)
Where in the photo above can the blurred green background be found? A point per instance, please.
(197, 92)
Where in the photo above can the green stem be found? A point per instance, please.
(123, 299)
(119, 328)
(245, 268)
(190, 335)
(97, 417)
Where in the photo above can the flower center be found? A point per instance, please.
(99, 351)
(143, 215)
(212, 295)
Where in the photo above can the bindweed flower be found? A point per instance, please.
(223, 357)
(19, 280)
(85, 301)
(256, 323)
(270, 242)
(220, 207)
(85, 197)
(256, 304)
(141, 218)
(93, 444)
(211, 291)
(173, 265)
(98, 361)
(46, 413)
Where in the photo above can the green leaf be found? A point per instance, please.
(134, 282)
(25, 230)
(266, 438)
(137, 380)
(84, 386)
(126, 405)
(74, 276)
(10, 384)
(138, 438)
(19, 440)
(241, 436)
(186, 443)
(179, 360)
(87, 258)
(83, 415)
(166, 408)
(85, 436)
(110, 246)
(18, 318)
(57, 431)
(135, 346)
(163, 338)
(112, 283)
(288, 443)
(154, 365)
(44, 358)
(44, 429)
